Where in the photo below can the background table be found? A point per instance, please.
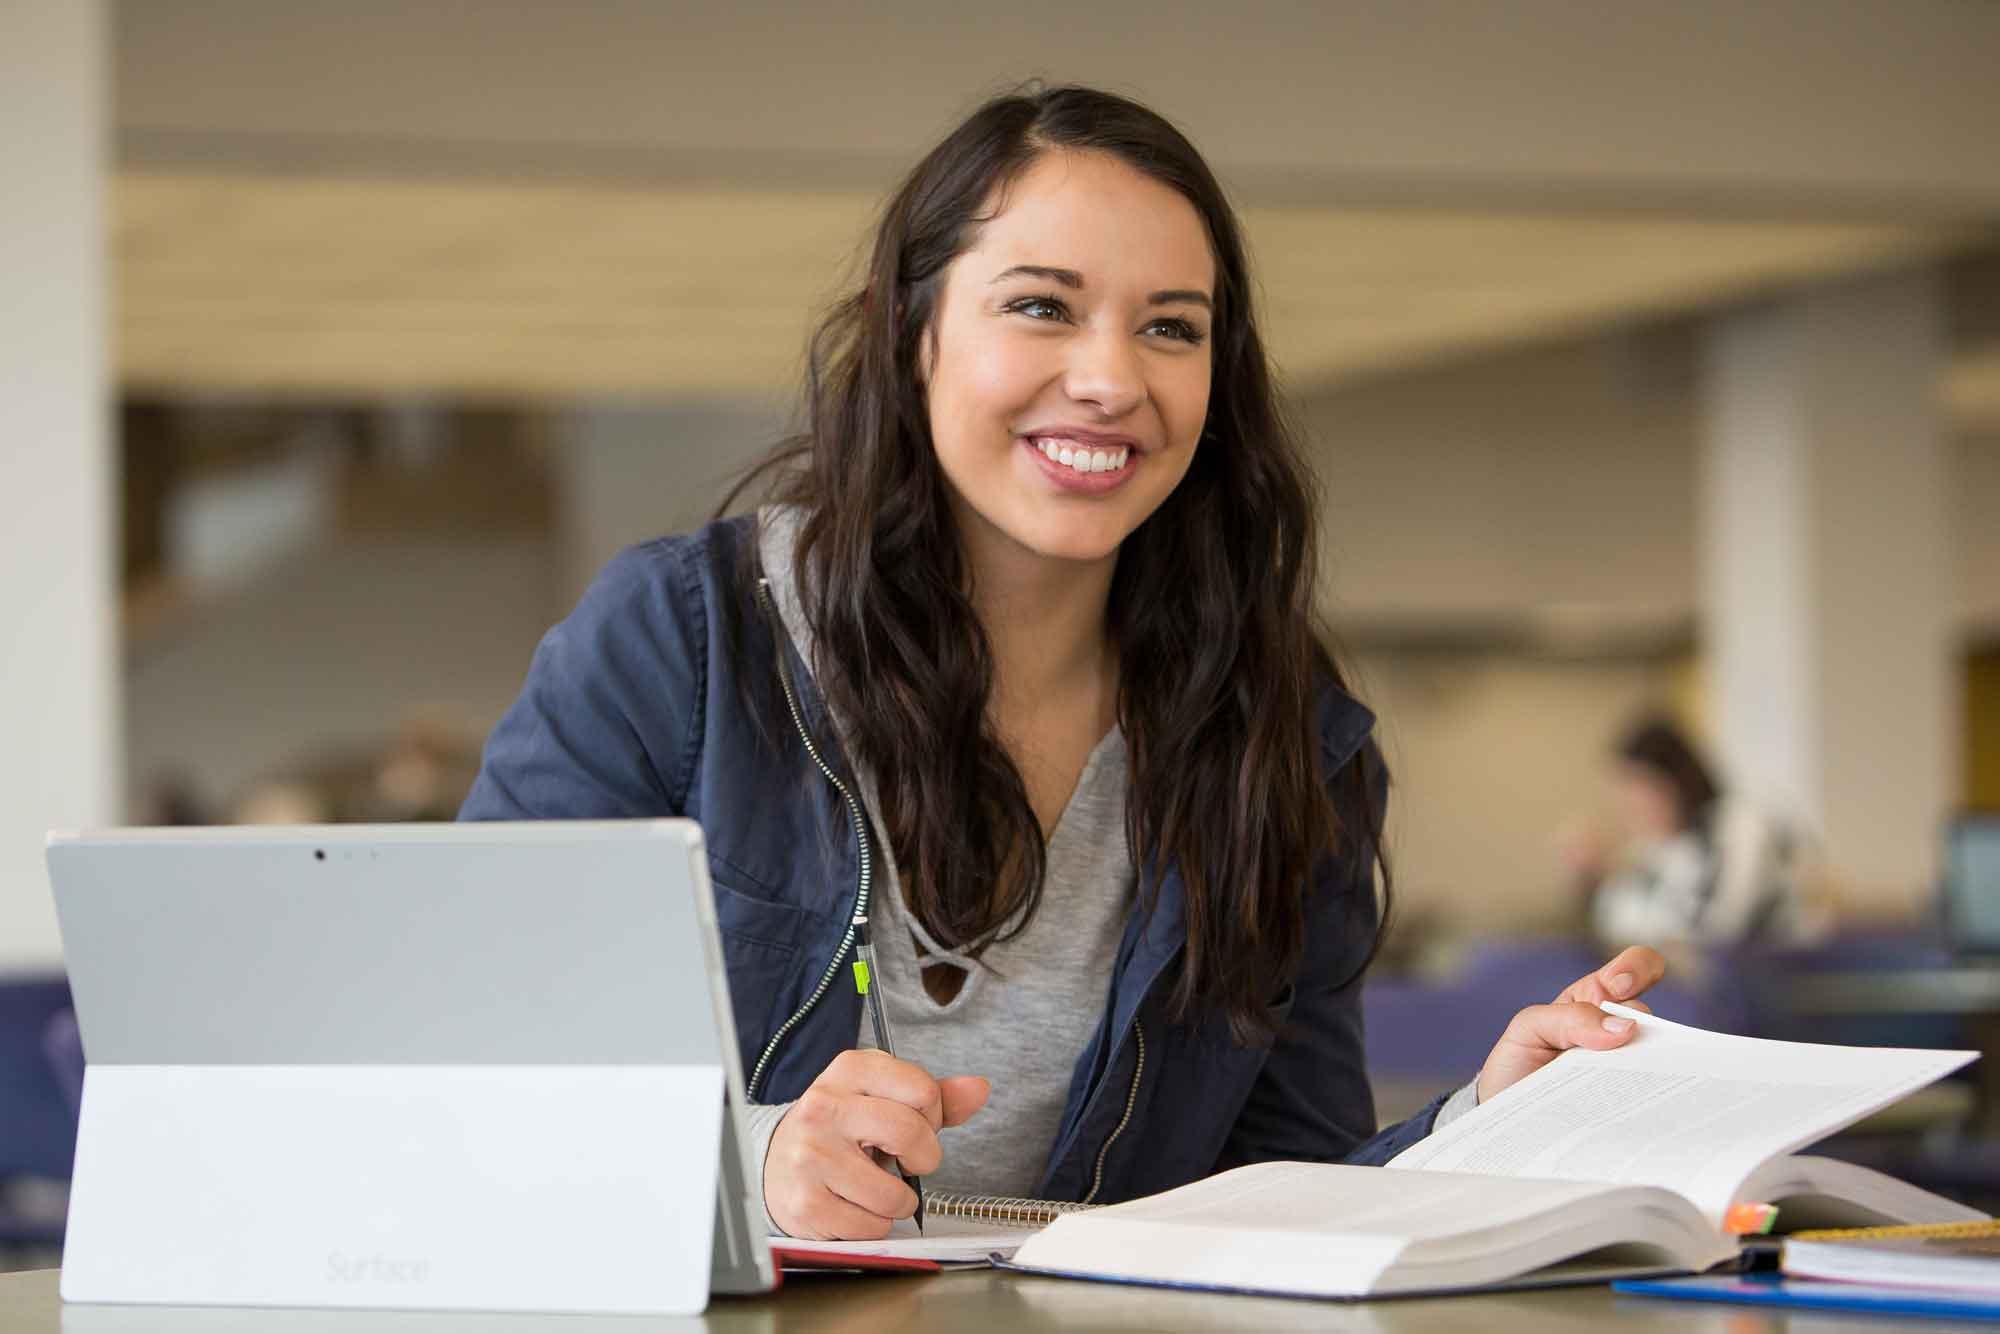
(1969, 992)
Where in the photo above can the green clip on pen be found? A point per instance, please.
(878, 1019)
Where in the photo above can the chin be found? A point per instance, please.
(1083, 543)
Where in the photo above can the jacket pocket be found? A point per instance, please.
(760, 948)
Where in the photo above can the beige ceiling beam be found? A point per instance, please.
(1874, 108)
(343, 285)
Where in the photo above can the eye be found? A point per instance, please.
(1179, 330)
(1040, 308)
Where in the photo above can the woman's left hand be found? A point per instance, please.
(1540, 1033)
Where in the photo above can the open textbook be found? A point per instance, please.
(1629, 1157)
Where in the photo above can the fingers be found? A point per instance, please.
(1623, 979)
(830, 1218)
(1556, 1028)
(963, 1095)
(899, 1131)
(847, 1198)
(877, 1074)
(869, 1186)
(1540, 1033)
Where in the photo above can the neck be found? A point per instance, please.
(1045, 619)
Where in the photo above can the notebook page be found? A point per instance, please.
(1678, 1107)
(943, 1239)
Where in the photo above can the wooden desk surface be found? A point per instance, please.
(975, 1300)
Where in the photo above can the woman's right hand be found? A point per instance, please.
(820, 1182)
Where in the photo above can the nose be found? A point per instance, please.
(1105, 371)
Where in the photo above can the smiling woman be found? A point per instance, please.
(1015, 685)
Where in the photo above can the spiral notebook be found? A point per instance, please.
(1964, 1257)
(958, 1229)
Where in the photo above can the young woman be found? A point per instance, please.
(1702, 867)
(1020, 665)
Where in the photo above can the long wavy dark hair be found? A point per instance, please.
(1211, 609)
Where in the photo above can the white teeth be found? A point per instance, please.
(1078, 459)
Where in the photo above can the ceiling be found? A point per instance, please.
(325, 284)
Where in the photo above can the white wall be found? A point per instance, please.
(1536, 479)
(58, 713)
(630, 472)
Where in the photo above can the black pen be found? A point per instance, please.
(878, 1019)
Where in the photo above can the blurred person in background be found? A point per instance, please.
(1696, 868)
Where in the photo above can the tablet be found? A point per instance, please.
(462, 1066)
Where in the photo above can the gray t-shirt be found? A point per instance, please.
(1028, 1005)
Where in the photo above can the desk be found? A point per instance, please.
(947, 1303)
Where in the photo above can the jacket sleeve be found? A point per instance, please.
(1312, 1102)
(608, 724)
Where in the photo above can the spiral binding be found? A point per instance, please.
(999, 1208)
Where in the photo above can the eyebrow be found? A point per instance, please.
(1073, 280)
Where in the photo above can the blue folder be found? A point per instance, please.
(1780, 1290)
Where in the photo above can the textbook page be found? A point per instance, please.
(1694, 1111)
(1330, 1229)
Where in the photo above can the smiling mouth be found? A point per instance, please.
(1081, 458)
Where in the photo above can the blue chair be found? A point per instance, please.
(40, 1083)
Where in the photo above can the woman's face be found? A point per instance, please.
(1069, 378)
(1645, 801)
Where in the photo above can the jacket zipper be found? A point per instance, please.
(1131, 1101)
(860, 820)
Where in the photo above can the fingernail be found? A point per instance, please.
(1613, 1024)
(1620, 984)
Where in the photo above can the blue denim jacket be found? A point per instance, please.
(637, 706)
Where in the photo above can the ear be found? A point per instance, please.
(926, 353)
